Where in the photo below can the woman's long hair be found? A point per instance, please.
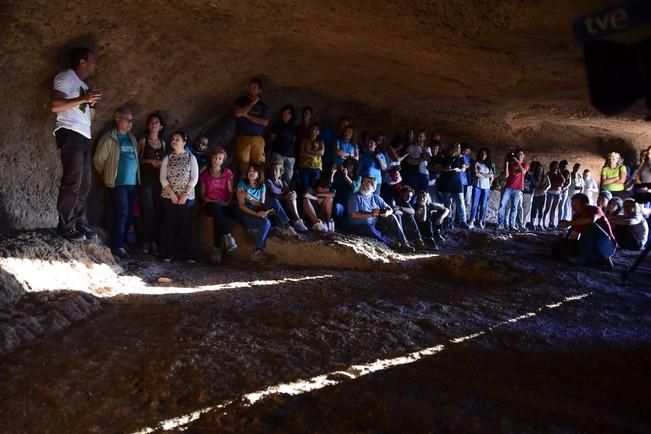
(486, 161)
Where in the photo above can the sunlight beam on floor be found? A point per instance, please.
(102, 280)
(353, 372)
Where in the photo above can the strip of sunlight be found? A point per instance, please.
(301, 386)
(336, 377)
(103, 280)
(162, 290)
(41, 275)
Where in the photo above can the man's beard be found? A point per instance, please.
(367, 190)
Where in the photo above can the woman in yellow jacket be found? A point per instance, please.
(116, 160)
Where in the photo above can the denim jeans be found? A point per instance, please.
(595, 246)
(479, 204)
(410, 227)
(385, 229)
(122, 198)
(562, 206)
(458, 199)
(262, 226)
(511, 200)
(308, 177)
(279, 217)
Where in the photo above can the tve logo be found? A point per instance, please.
(616, 19)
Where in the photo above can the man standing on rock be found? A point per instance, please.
(74, 104)
(252, 116)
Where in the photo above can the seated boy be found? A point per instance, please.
(407, 216)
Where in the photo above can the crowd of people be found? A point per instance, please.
(403, 192)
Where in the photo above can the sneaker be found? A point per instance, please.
(482, 225)
(420, 244)
(191, 261)
(167, 259)
(471, 225)
(120, 252)
(500, 227)
(300, 226)
(229, 243)
(260, 256)
(406, 248)
(395, 245)
(87, 231)
(319, 227)
(438, 236)
(288, 231)
(331, 226)
(146, 247)
(72, 235)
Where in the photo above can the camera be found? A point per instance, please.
(617, 57)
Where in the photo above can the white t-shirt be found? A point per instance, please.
(590, 185)
(481, 182)
(416, 152)
(77, 118)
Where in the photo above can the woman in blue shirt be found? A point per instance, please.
(251, 212)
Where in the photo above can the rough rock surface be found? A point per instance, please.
(486, 72)
(526, 345)
(46, 284)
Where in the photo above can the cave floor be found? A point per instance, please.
(526, 345)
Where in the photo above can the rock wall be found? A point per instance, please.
(487, 73)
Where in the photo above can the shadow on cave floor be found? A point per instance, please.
(143, 359)
(483, 386)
